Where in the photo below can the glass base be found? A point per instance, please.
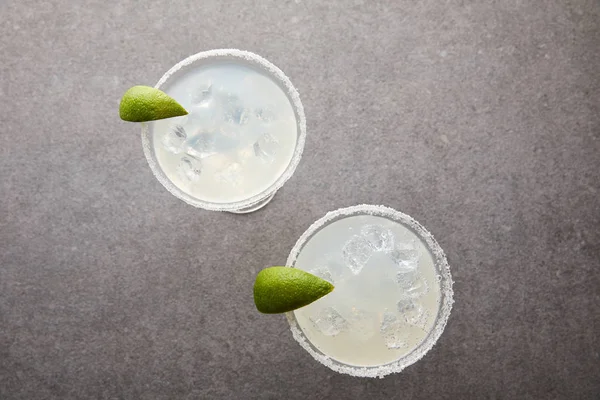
(254, 207)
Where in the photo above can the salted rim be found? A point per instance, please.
(446, 292)
(286, 86)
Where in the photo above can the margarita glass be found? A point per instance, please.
(243, 136)
(392, 297)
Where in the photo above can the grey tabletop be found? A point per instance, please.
(479, 119)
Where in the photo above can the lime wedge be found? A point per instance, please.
(283, 289)
(145, 103)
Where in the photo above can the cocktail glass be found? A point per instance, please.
(242, 139)
(392, 297)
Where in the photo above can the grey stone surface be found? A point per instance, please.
(478, 118)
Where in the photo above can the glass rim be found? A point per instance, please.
(291, 93)
(446, 292)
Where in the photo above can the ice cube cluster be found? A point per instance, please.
(220, 123)
(400, 265)
(393, 331)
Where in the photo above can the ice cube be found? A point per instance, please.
(174, 139)
(413, 284)
(205, 116)
(356, 253)
(322, 272)
(242, 116)
(413, 312)
(406, 279)
(201, 94)
(329, 322)
(265, 115)
(189, 169)
(265, 148)
(205, 144)
(231, 175)
(405, 256)
(361, 324)
(380, 238)
(236, 115)
(202, 145)
(234, 111)
(393, 331)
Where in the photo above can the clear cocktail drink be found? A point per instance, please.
(243, 136)
(392, 297)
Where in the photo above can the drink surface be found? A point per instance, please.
(238, 138)
(386, 296)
